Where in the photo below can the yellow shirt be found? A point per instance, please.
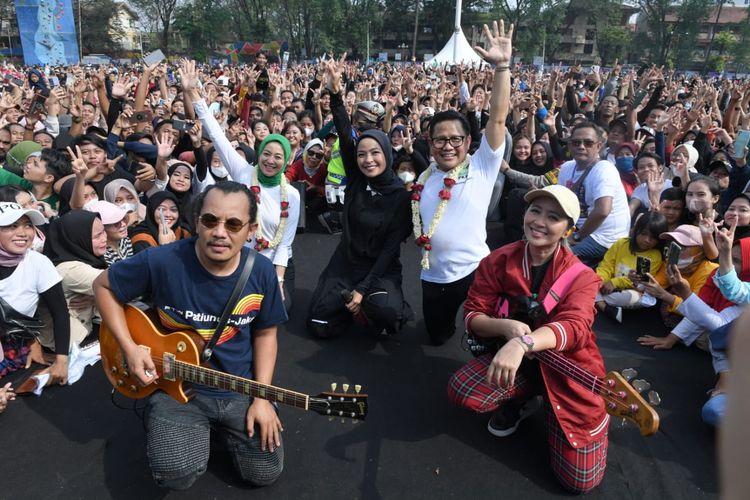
(696, 280)
(619, 261)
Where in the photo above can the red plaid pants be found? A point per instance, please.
(577, 469)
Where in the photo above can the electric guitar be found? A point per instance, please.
(176, 356)
(621, 399)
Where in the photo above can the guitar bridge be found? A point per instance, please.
(168, 367)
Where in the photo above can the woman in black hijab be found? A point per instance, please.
(363, 278)
(151, 232)
(180, 184)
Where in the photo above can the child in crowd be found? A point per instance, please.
(619, 266)
(702, 198)
(672, 206)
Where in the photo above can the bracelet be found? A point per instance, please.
(76, 119)
(281, 280)
(500, 69)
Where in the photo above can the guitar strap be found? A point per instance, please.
(208, 350)
(561, 285)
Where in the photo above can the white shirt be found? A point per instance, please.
(603, 180)
(269, 210)
(460, 240)
(641, 193)
(34, 275)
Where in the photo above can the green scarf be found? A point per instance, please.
(274, 180)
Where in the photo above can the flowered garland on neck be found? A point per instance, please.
(423, 239)
(260, 242)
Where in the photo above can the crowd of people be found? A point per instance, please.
(624, 188)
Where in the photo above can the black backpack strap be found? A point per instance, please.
(238, 287)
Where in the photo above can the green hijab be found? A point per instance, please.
(274, 180)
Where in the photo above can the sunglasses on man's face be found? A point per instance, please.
(232, 224)
(585, 142)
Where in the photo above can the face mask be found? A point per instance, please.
(624, 164)
(89, 204)
(130, 207)
(219, 172)
(406, 177)
(309, 131)
(697, 206)
(398, 148)
(685, 262)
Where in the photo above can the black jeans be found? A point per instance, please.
(440, 303)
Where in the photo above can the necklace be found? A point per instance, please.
(260, 242)
(423, 239)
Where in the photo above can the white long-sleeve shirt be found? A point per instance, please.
(269, 209)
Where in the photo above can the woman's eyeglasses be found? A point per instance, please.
(315, 154)
(232, 224)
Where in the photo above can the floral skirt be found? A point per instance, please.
(16, 353)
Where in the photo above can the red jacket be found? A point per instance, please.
(507, 271)
(296, 172)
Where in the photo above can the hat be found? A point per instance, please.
(565, 197)
(428, 111)
(11, 212)
(631, 146)
(371, 110)
(720, 164)
(19, 153)
(686, 235)
(109, 212)
(398, 128)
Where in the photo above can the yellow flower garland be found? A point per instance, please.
(424, 239)
(260, 242)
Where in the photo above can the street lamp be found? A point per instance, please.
(402, 49)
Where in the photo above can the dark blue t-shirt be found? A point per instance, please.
(187, 297)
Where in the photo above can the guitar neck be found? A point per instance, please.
(564, 366)
(219, 380)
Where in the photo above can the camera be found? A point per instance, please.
(142, 116)
(182, 125)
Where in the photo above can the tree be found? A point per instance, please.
(101, 32)
(160, 13)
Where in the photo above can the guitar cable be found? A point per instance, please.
(139, 410)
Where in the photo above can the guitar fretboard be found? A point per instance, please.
(561, 364)
(213, 378)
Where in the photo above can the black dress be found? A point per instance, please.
(376, 220)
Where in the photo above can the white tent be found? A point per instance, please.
(457, 50)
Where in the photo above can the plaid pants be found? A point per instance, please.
(577, 469)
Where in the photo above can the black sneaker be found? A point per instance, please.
(330, 222)
(613, 312)
(506, 420)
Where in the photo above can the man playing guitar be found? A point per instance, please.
(189, 283)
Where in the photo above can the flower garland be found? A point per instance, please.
(260, 242)
(423, 239)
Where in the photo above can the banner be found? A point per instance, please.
(237, 49)
(48, 33)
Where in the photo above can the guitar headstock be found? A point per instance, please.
(341, 404)
(622, 400)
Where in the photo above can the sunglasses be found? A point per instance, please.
(233, 224)
(586, 142)
(314, 154)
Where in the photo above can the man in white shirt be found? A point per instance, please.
(605, 216)
(454, 240)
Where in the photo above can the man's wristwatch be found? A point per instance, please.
(528, 342)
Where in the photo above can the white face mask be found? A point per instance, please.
(406, 177)
(698, 206)
(89, 204)
(309, 131)
(219, 172)
(685, 262)
(130, 207)
(399, 147)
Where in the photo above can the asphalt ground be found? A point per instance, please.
(74, 442)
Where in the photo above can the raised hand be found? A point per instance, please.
(78, 165)
(164, 145)
(188, 75)
(121, 87)
(725, 239)
(334, 70)
(195, 133)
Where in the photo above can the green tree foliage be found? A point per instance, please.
(159, 15)
(100, 32)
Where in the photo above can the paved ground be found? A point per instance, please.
(74, 443)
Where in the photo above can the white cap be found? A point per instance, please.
(11, 212)
(565, 197)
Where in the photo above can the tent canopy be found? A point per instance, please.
(457, 51)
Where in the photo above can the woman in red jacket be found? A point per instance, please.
(520, 275)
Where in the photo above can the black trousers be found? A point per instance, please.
(440, 304)
(288, 285)
(383, 304)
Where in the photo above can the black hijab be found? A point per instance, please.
(150, 224)
(69, 239)
(388, 181)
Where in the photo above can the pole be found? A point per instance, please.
(456, 30)
(416, 30)
(80, 34)
(367, 57)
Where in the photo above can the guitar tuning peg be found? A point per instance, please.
(641, 385)
(653, 398)
(629, 374)
(333, 386)
(357, 388)
(345, 387)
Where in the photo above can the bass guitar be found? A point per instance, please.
(176, 356)
(620, 397)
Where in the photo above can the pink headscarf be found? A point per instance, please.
(8, 259)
